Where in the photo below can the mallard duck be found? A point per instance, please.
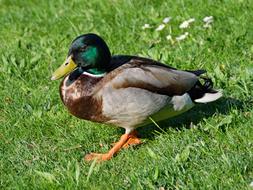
(124, 90)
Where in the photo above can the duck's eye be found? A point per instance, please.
(83, 48)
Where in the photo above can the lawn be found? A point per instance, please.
(42, 146)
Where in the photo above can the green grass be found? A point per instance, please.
(42, 145)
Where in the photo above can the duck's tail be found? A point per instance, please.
(203, 93)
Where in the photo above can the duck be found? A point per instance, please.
(126, 91)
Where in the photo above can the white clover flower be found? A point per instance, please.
(208, 19)
(182, 37)
(184, 24)
(166, 20)
(160, 27)
(145, 26)
(169, 37)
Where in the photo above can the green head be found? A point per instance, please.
(88, 52)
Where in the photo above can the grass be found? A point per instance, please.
(42, 145)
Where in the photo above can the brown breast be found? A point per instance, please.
(78, 97)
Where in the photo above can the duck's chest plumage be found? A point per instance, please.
(78, 98)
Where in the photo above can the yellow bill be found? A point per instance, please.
(68, 66)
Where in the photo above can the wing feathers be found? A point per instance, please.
(151, 76)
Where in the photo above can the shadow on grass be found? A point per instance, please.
(194, 116)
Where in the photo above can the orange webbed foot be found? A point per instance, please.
(133, 140)
(125, 141)
(97, 156)
(112, 151)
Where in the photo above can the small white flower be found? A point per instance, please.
(191, 20)
(169, 37)
(160, 27)
(251, 184)
(207, 25)
(184, 24)
(166, 20)
(145, 26)
(208, 19)
(182, 37)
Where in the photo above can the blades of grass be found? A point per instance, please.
(77, 173)
(92, 166)
(184, 155)
(76, 30)
(153, 121)
(48, 176)
(151, 153)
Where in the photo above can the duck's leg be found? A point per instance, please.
(107, 156)
(133, 140)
